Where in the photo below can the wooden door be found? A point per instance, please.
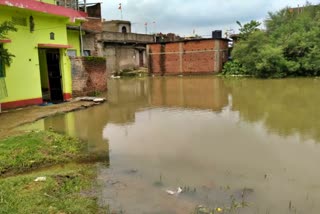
(54, 73)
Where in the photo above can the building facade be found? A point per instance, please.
(40, 70)
(123, 49)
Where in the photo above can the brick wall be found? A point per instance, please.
(188, 57)
(88, 76)
(93, 25)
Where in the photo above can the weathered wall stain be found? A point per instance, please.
(163, 59)
(150, 62)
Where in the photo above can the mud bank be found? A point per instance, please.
(17, 117)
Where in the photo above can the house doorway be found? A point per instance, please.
(50, 73)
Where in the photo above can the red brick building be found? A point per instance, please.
(202, 56)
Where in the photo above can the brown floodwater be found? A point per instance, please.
(242, 145)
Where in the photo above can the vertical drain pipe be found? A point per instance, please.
(80, 29)
(85, 6)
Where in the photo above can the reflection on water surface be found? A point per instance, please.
(216, 137)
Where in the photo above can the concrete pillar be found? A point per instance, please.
(217, 56)
(181, 57)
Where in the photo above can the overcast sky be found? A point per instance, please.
(185, 16)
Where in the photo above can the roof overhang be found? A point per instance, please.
(115, 42)
(54, 46)
(42, 7)
(82, 29)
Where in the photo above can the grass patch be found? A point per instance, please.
(66, 190)
(38, 149)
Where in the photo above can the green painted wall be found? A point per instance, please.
(65, 71)
(48, 1)
(23, 76)
(74, 40)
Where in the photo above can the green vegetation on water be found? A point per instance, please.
(289, 46)
(66, 188)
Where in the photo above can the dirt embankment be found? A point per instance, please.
(14, 118)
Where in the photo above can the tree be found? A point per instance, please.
(5, 28)
(290, 45)
(258, 57)
(248, 28)
(5, 56)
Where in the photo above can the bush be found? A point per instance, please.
(288, 47)
(233, 68)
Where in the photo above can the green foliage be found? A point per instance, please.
(5, 28)
(5, 56)
(95, 59)
(288, 47)
(233, 68)
(258, 57)
(248, 28)
(94, 94)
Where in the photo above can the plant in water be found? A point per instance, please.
(159, 183)
(189, 190)
(234, 68)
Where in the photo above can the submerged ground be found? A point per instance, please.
(232, 145)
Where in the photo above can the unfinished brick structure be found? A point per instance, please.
(88, 76)
(201, 56)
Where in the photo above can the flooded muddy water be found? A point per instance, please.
(233, 145)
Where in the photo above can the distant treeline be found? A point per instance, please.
(289, 46)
